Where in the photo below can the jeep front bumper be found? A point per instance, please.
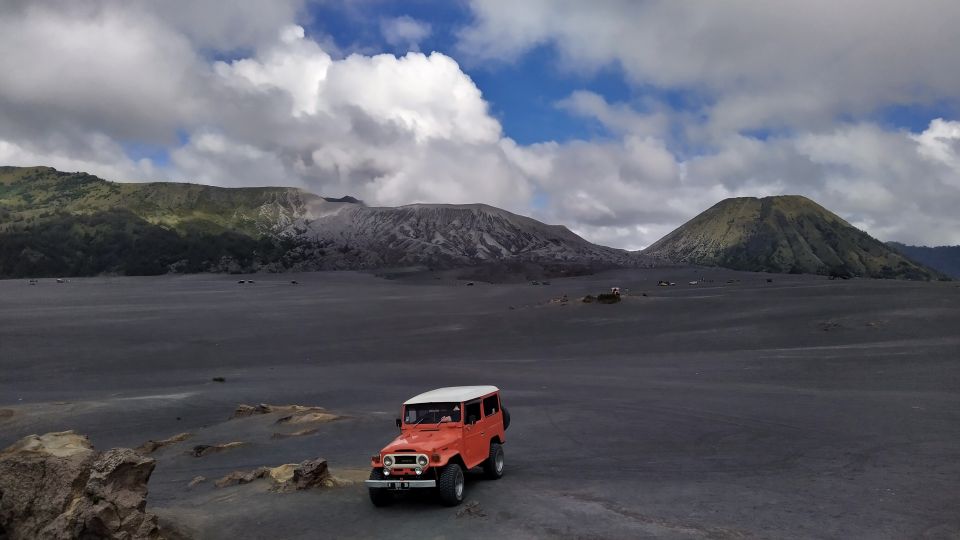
(400, 484)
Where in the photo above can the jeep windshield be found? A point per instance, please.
(431, 413)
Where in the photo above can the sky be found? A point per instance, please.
(620, 119)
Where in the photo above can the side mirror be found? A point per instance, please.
(472, 420)
(399, 423)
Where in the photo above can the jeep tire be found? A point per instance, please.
(493, 466)
(379, 496)
(506, 419)
(450, 485)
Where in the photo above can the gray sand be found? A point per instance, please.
(798, 408)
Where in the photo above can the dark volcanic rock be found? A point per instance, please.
(57, 486)
(309, 474)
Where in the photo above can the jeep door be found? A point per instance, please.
(475, 445)
(492, 416)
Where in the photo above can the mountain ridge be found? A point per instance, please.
(61, 223)
(156, 227)
(944, 259)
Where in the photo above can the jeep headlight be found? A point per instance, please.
(422, 461)
(388, 461)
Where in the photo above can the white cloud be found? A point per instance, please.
(792, 62)
(941, 143)
(116, 71)
(81, 83)
(102, 156)
(405, 32)
(619, 118)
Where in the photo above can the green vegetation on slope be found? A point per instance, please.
(783, 234)
(29, 192)
(54, 223)
(118, 242)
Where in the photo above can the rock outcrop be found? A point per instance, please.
(292, 414)
(152, 446)
(57, 486)
(309, 474)
(201, 450)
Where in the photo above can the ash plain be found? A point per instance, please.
(734, 408)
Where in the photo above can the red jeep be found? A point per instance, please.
(443, 433)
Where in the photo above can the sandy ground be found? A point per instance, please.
(801, 408)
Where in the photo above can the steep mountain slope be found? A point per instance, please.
(56, 223)
(782, 234)
(944, 259)
(451, 235)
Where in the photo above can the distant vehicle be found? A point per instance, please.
(241, 281)
(469, 284)
(59, 280)
(534, 282)
(443, 433)
(615, 291)
(694, 282)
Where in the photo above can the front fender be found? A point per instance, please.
(446, 456)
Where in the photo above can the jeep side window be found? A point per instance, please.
(472, 411)
(490, 405)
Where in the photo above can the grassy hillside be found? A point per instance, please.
(32, 192)
(57, 223)
(783, 234)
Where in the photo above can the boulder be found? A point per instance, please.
(57, 486)
(309, 474)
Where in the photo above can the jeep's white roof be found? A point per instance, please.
(452, 394)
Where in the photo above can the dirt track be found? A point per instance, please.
(798, 408)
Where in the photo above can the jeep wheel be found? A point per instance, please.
(506, 419)
(450, 485)
(379, 496)
(493, 466)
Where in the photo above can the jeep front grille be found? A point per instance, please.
(406, 461)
